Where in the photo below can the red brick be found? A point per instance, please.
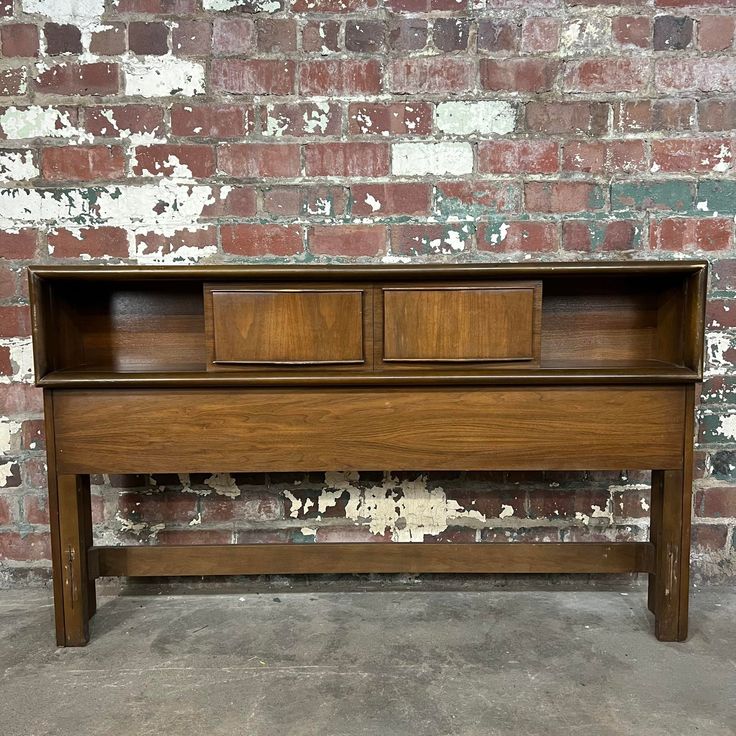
(498, 35)
(587, 156)
(340, 77)
(20, 245)
(110, 41)
(13, 82)
(716, 32)
(706, 74)
(262, 240)
(166, 245)
(283, 201)
(714, 115)
(191, 37)
(491, 196)
(82, 163)
(32, 434)
(62, 39)
(362, 36)
(407, 34)
(253, 76)
(716, 502)
(98, 78)
(212, 121)
(645, 115)
(410, 118)
(709, 536)
(431, 75)
(15, 321)
(25, 547)
(518, 75)
(321, 35)
(607, 75)
(8, 289)
(562, 196)
(428, 239)
(125, 118)
(394, 198)
(19, 39)
(35, 510)
(161, 159)
(522, 156)
(524, 236)
(561, 118)
(146, 38)
(20, 398)
(596, 157)
(5, 512)
(347, 240)
(683, 234)
(233, 36)
(346, 159)
(324, 200)
(719, 314)
(451, 34)
(232, 201)
(330, 6)
(156, 7)
(540, 35)
(276, 35)
(153, 508)
(701, 155)
(594, 236)
(632, 30)
(247, 160)
(94, 241)
(305, 118)
(6, 8)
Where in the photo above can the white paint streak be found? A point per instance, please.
(40, 122)
(162, 76)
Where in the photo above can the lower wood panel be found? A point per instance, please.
(290, 559)
(261, 430)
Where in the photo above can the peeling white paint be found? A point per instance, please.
(468, 117)
(197, 520)
(702, 206)
(372, 202)
(727, 426)
(85, 14)
(162, 76)
(9, 429)
(21, 359)
(409, 510)
(419, 158)
(585, 36)
(6, 473)
(716, 346)
(40, 122)
(255, 6)
(17, 166)
(223, 484)
(317, 119)
(308, 531)
(506, 511)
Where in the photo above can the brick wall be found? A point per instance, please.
(185, 131)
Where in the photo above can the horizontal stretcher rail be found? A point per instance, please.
(283, 559)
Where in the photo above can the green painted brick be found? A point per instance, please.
(717, 195)
(717, 428)
(674, 195)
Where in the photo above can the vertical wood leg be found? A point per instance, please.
(86, 511)
(655, 524)
(672, 510)
(73, 492)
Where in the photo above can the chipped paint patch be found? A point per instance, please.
(254, 6)
(585, 36)
(162, 76)
(6, 473)
(21, 359)
(419, 159)
(17, 166)
(84, 14)
(408, 510)
(40, 122)
(484, 117)
(8, 431)
(223, 484)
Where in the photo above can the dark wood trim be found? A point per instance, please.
(349, 557)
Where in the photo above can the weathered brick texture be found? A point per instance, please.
(186, 131)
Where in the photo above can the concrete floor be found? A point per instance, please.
(383, 663)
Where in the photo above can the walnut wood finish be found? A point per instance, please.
(462, 323)
(502, 367)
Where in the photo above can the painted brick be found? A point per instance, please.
(518, 75)
(431, 239)
(717, 196)
(247, 160)
(72, 78)
(340, 77)
(212, 121)
(460, 199)
(484, 117)
(262, 240)
(299, 119)
(592, 236)
(98, 242)
(676, 195)
(13, 82)
(519, 156)
(82, 163)
(431, 75)
(347, 240)
(563, 196)
(187, 160)
(419, 159)
(346, 159)
(381, 200)
(253, 76)
(411, 118)
(19, 39)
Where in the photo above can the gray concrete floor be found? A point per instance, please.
(384, 663)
